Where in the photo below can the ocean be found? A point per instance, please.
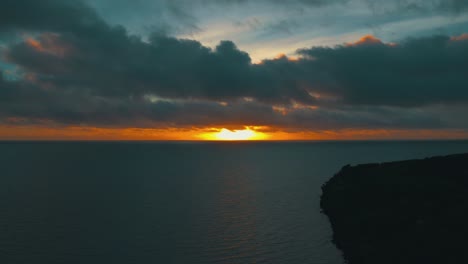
(178, 202)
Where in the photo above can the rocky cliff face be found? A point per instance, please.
(412, 211)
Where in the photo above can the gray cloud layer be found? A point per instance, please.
(443, 5)
(80, 70)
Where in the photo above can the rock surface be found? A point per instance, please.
(413, 211)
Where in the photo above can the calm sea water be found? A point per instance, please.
(177, 202)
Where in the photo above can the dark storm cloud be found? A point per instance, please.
(49, 15)
(127, 66)
(115, 64)
(26, 105)
(76, 69)
(415, 72)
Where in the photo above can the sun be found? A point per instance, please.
(226, 134)
(234, 135)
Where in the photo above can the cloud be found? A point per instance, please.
(378, 6)
(49, 15)
(452, 5)
(279, 2)
(415, 72)
(116, 64)
(76, 69)
(417, 6)
(184, 16)
(27, 105)
(284, 27)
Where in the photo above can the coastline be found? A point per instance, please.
(411, 211)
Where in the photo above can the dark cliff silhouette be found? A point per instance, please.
(413, 211)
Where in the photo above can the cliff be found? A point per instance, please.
(413, 211)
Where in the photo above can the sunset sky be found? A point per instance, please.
(233, 69)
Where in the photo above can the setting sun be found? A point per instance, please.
(234, 135)
(226, 134)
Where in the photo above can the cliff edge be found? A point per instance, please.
(413, 211)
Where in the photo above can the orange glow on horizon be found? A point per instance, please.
(25, 132)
